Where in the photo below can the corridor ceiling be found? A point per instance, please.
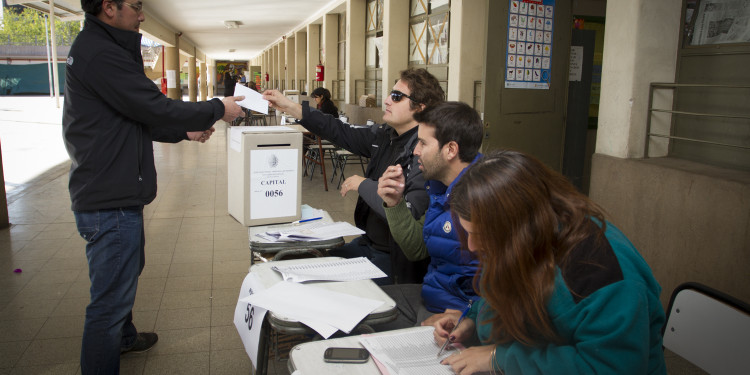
(202, 22)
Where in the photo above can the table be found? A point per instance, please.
(308, 357)
(311, 139)
(284, 249)
(362, 288)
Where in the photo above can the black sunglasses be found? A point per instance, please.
(396, 96)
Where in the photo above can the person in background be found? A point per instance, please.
(449, 137)
(562, 290)
(229, 81)
(385, 145)
(111, 116)
(322, 98)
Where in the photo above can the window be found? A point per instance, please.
(429, 31)
(373, 47)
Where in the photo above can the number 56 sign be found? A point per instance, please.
(248, 318)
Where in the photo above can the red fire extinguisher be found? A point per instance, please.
(319, 72)
(266, 77)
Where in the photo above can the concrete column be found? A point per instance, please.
(331, 49)
(395, 42)
(172, 65)
(281, 65)
(467, 41)
(290, 63)
(204, 81)
(356, 20)
(211, 68)
(276, 67)
(192, 80)
(300, 57)
(313, 52)
(632, 60)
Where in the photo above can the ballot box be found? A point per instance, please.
(264, 165)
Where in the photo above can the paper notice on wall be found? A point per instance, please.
(171, 79)
(576, 63)
(273, 183)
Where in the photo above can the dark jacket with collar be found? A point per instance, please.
(383, 147)
(111, 115)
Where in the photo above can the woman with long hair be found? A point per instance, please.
(562, 290)
(322, 98)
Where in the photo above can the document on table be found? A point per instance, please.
(341, 270)
(323, 310)
(312, 231)
(253, 99)
(413, 352)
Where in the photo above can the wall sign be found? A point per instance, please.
(528, 56)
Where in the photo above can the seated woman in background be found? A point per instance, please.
(562, 290)
(322, 98)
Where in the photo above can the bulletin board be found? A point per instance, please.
(528, 62)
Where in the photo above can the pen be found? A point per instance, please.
(448, 339)
(306, 220)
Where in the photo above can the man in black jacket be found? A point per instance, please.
(387, 144)
(112, 114)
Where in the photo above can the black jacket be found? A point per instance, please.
(112, 113)
(384, 147)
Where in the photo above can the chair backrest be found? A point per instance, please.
(709, 329)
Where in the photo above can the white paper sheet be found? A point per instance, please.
(253, 99)
(307, 303)
(313, 231)
(413, 352)
(341, 270)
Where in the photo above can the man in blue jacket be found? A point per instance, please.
(112, 114)
(448, 142)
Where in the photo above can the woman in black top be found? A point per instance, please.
(322, 98)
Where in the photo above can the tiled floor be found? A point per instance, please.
(197, 256)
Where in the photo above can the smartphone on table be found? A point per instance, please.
(346, 355)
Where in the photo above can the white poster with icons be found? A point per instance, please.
(529, 45)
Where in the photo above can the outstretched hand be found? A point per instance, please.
(201, 137)
(232, 110)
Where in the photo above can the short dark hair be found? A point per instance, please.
(94, 7)
(424, 87)
(321, 92)
(455, 121)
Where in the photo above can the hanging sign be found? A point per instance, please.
(528, 57)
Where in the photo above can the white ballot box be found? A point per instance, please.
(264, 165)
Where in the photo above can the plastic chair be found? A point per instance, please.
(709, 329)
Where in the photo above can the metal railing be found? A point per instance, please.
(671, 86)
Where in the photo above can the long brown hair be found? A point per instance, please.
(526, 218)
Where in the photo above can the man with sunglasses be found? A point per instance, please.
(388, 144)
(111, 116)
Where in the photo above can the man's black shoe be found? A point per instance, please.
(143, 342)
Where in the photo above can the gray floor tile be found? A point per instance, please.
(182, 364)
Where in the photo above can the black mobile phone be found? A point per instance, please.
(346, 355)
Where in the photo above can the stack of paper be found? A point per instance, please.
(323, 310)
(412, 352)
(341, 270)
(312, 231)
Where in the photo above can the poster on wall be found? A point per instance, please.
(528, 54)
(722, 21)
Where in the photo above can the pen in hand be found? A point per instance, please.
(448, 339)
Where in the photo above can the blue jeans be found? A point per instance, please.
(360, 247)
(114, 248)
